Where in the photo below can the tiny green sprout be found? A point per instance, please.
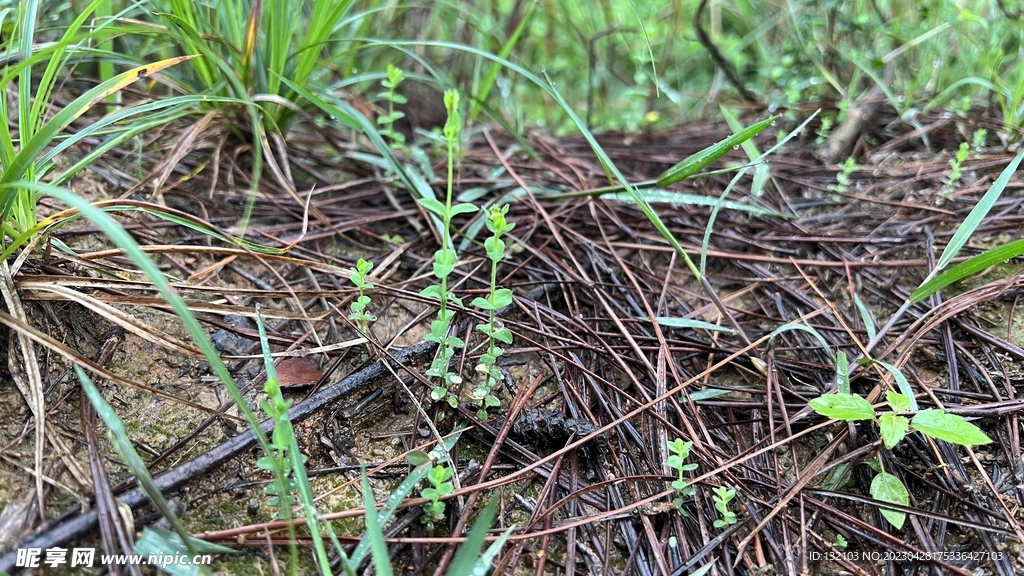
(840, 542)
(453, 126)
(387, 122)
(843, 180)
(677, 461)
(979, 140)
(723, 496)
(497, 298)
(440, 486)
(359, 315)
(823, 131)
(955, 164)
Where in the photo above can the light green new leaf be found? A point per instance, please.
(892, 428)
(898, 402)
(840, 406)
(888, 488)
(949, 427)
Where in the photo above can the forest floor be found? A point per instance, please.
(593, 391)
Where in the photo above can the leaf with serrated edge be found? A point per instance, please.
(898, 402)
(846, 407)
(949, 427)
(892, 428)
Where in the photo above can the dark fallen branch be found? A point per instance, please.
(67, 531)
(64, 532)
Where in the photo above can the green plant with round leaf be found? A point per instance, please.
(497, 298)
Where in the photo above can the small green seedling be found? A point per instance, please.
(440, 486)
(954, 168)
(359, 315)
(387, 122)
(893, 427)
(723, 496)
(979, 140)
(445, 261)
(497, 299)
(843, 178)
(840, 542)
(677, 461)
(824, 130)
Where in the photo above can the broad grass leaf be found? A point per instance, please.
(669, 322)
(981, 209)
(968, 268)
(702, 159)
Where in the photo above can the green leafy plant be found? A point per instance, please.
(843, 180)
(387, 121)
(440, 486)
(953, 178)
(497, 299)
(840, 542)
(893, 427)
(277, 461)
(287, 464)
(677, 461)
(979, 140)
(824, 130)
(468, 560)
(445, 261)
(27, 154)
(722, 497)
(359, 315)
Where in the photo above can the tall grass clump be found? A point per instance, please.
(27, 153)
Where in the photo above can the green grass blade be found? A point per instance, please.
(495, 68)
(901, 380)
(46, 134)
(970, 267)
(702, 159)
(664, 196)
(118, 436)
(375, 532)
(734, 124)
(119, 237)
(804, 328)
(973, 220)
(401, 493)
(690, 324)
(467, 560)
(865, 316)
